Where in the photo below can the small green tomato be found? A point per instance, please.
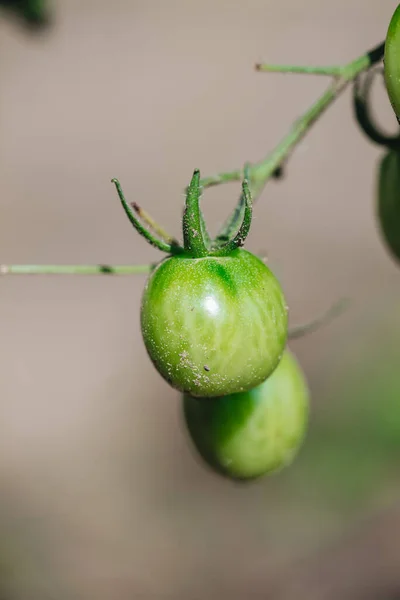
(388, 208)
(392, 61)
(255, 433)
(213, 316)
(214, 325)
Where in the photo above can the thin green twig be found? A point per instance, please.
(259, 172)
(74, 269)
(263, 170)
(364, 114)
(302, 70)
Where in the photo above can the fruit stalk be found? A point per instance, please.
(262, 171)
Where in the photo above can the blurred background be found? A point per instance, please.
(101, 496)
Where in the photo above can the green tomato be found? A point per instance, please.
(392, 61)
(214, 325)
(253, 433)
(389, 201)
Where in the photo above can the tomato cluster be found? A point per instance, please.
(214, 322)
(214, 317)
(388, 173)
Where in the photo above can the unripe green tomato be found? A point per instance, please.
(253, 433)
(389, 200)
(392, 61)
(215, 325)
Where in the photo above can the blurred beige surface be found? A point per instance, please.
(101, 496)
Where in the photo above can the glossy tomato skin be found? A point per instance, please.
(216, 325)
(389, 201)
(392, 61)
(255, 433)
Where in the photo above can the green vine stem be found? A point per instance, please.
(259, 173)
(363, 113)
(302, 70)
(74, 269)
(262, 171)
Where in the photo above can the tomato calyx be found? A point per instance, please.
(196, 241)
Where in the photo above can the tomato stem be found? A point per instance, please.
(196, 238)
(362, 110)
(266, 168)
(75, 269)
(306, 70)
(193, 222)
(161, 245)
